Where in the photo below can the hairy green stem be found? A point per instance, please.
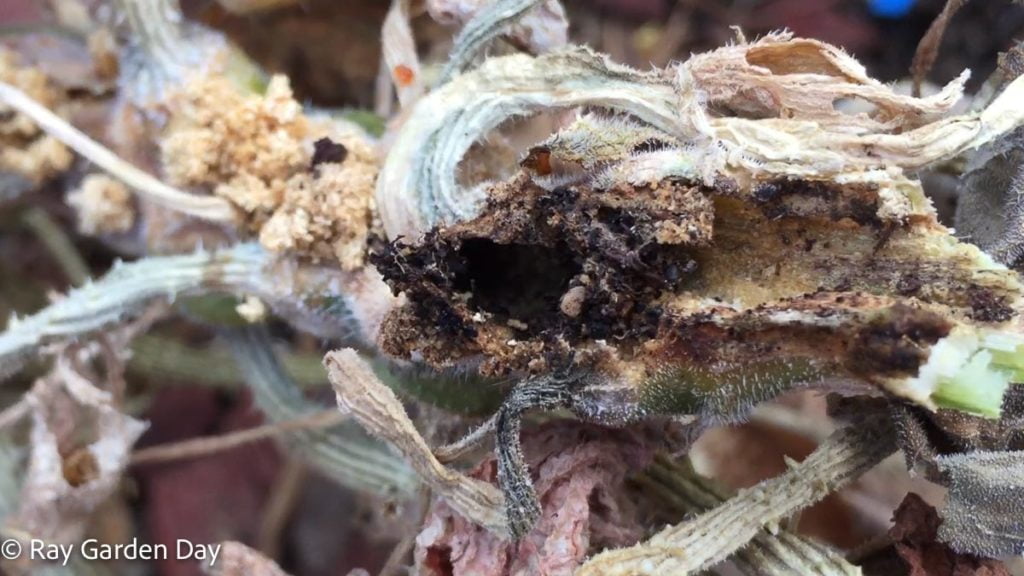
(126, 290)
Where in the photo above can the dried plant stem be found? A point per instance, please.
(928, 48)
(696, 545)
(383, 97)
(11, 472)
(284, 496)
(200, 447)
(873, 546)
(164, 48)
(418, 186)
(124, 292)
(344, 453)
(490, 22)
(394, 563)
(14, 413)
(206, 207)
(166, 360)
(156, 24)
(788, 553)
(58, 244)
(779, 554)
(468, 443)
(377, 408)
(400, 64)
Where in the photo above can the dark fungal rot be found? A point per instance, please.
(568, 265)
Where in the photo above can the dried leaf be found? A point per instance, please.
(80, 387)
(781, 77)
(61, 490)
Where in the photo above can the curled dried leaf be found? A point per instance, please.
(63, 486)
